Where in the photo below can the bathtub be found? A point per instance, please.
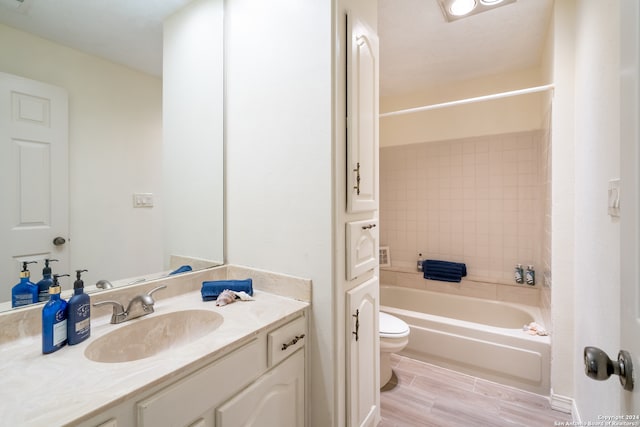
(483, 338)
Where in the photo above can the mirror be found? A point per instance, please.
(133, 138)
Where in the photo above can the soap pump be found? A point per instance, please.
(79, 321)
(25, 292)
(54, 319)
(45, 283)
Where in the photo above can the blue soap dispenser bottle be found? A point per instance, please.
(79, 321)
(25, 292)
(54, 319)
(45, 283)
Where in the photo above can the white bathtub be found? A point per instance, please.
(479, 337)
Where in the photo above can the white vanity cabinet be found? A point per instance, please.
(261, 383)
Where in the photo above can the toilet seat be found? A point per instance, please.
(392, 327)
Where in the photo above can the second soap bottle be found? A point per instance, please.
(79, 321)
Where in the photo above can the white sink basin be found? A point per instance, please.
(149, 336)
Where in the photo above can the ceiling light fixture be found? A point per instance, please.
(461, 7)
(458, 9)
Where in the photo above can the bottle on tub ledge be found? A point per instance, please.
(518, 274)
(419, 263)
(530, 276)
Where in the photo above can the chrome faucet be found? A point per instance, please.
(140, 305)
(104, 284)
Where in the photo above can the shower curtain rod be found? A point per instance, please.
(470, 100)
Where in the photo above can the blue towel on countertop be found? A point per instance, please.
(445, 271)
(210, 290)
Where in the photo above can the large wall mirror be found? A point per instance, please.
(145, 137)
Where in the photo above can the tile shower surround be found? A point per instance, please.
(475, 200)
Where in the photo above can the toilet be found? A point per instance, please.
(394, 336)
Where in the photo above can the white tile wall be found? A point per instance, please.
(474, 200)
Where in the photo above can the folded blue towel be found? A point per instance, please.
(181, 269)
(210, 290)
(445, 271)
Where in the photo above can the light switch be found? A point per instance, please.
(142, 200)
(614, 198)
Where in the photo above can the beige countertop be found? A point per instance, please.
(64, 386)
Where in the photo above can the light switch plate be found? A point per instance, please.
(614, 198)
(142, 200)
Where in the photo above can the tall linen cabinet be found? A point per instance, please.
(301, 105)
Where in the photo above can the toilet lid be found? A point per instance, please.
(391, 326)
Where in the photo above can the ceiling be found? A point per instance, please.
(125, 31)
(418, 48)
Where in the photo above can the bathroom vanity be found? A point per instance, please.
(248, 368)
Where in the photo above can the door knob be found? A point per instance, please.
(59, 241)
(598, 366)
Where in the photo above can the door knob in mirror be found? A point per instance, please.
(59, 241)
(598, 366)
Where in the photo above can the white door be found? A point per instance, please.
(362, 116)
(630, 200)
(33, 178)
(363, 355)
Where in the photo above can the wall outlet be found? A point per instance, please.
(142, 200)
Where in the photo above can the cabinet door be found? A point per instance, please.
(362, 247)
(275, 400)
(192, 400)
(362, 116)
(363, 358)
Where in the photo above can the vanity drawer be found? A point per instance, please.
(285, 340)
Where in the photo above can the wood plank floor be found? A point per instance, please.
(420, 394)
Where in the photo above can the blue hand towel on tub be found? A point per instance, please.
(210, 290)
(445, 271)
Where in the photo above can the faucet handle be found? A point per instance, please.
(156, 289)
(118, 315)
(117, 307)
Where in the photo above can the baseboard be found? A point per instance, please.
(562, 404)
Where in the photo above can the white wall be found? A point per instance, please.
(278, 125)
(507, 115)
(597, 236)
(115, 134)
(193, 180)
(586, 241)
